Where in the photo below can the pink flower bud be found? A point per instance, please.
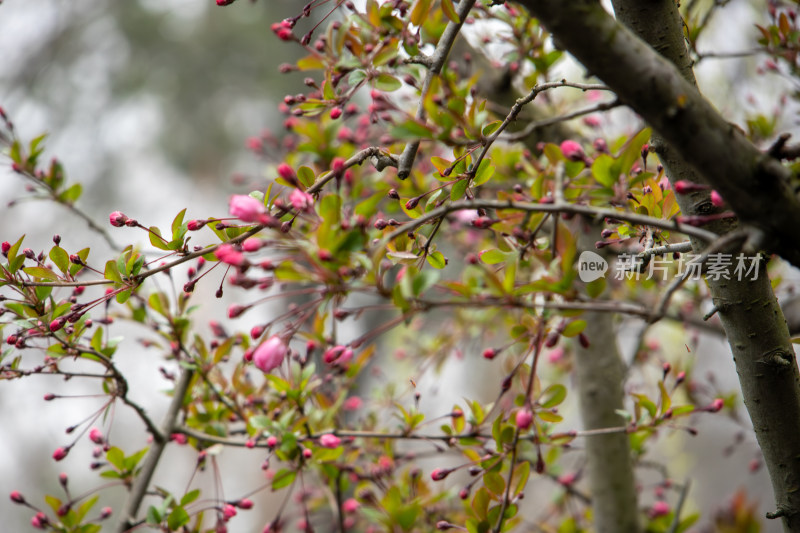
(57, 324)
(16, 497)
(246, 208)
(489, 353)
(105, 512)
(440, 473)
(286, 172)
(330, 440)
(117, 219)
(270, 354)
(572, 151)
(337, 165)
(178, 438)
(194, 225)
(5, 247)
(272, 441)
(228, 512)
(350, 505)
(253, 244)
(39, 521)
(244, 503)
(96, 436)
(659, 508)
(235, 310)
(524, 418)
(60, 453)
(336, 112)
(716, 406)
(353, 403)
(716, 199)
(685, 187)
(307, 453)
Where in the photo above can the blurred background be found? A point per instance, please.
(149, 104)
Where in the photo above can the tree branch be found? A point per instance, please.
(754, 184)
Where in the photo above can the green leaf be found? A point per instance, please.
(494, 482)
(493, 256)
(458, 189)
(480, 502)
(424, 281)
(116, 456)
(41, 272)
(71, 194)
(177, 518)
(484, 173)
(603, 172)
(306, 176)
(177, 222)
(491, 127)
(283, 478)
(387, 82)
(574, 328)
(521, 474)
(190, 496)
(111, 272)
(156, 239)
(153, 516)
(436, 260)
(553, 396)
(60, 257)
(450, 11)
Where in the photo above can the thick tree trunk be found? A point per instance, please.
(689, 131)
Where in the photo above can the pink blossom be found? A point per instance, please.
(272, 441)
(350, 505)
(659, 508)
(178, 438)
(352, 403)
(229, 255)
(524, 418)
(16, 497)
(716, 199)
(270, 354)
(244, 503)
(96, 436)
(330, 440)
(246, 208)
(301, 201)
(572, 151)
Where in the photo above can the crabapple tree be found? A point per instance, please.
(415, 198)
